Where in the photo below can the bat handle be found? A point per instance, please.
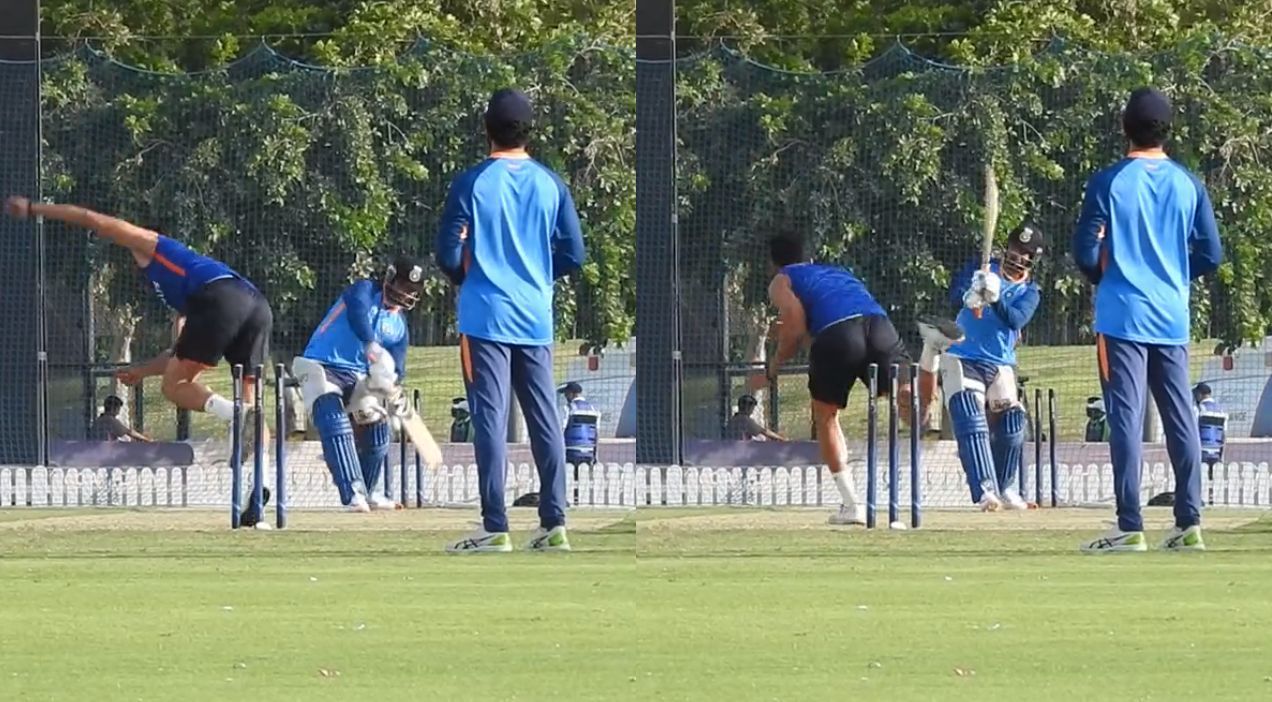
(980, 311)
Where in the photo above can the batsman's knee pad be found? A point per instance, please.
(338, 448)
(1008, 441)
(373, 448)
(971, 429)
(967, 413)
(1012, 424)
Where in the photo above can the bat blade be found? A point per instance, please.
(991, 221)
(417, 431)
(991, 215)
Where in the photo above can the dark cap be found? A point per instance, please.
(572, 387)
(509, 106)
(1201, 389)
(1147, 106)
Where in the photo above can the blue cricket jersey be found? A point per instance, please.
(992, 338)
(176, 272)
(830, 294)
(1147, 228)
(508, 232)
(356, 319)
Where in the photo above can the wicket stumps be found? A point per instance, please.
(280, 448)
(236, 449)
(872, 449)
(258, 443)
(1051, 445)
(894, 448)
(916, 489)
(1037, 431)
(258, 448)
(419, 465)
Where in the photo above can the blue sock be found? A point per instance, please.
(1008, 441)
(967, 414)
(337, 445)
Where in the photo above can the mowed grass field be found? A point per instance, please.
(775, 605)
(657, 604)
(164, 606)
(1072, 371)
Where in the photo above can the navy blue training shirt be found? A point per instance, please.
(176, 272)
(830, 294)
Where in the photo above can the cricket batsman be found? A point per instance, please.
(978, 372)
(1147, 229)
(508, 232)
(849, 330)
(351, 376)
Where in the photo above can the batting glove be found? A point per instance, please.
(972, 299)
(993, 288)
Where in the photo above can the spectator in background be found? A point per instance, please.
(461, 430)
(743, 427)
(1202, 399)
(109, 427)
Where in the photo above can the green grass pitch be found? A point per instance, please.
(659, 604)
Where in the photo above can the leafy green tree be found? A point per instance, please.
(305, 161)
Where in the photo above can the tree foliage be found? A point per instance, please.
(881, 161)
(307, 165)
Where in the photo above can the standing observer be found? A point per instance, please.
(509, 230)
(1147, 229)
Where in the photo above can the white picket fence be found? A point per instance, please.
(620, 486)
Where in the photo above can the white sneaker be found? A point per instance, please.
(554, 539)
(482, 541)
(1117, 541)
(848, 515)
(380, 502)
(1012, 500)
(1184, 540)
(358, 504)
(989, 503)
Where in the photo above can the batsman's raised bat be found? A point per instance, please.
(990, 223)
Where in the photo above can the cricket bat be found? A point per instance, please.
(991, 221)
(419, 434)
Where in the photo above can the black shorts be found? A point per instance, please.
(842, 353)
(229, 319)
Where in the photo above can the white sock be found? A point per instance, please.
(847, 492)
(219, 406)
